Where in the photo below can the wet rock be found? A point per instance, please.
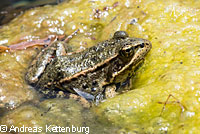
(13, 89)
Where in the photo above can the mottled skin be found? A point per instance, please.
(93, 73)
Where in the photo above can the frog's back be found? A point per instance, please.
(87, 59)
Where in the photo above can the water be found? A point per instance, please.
(9, 9)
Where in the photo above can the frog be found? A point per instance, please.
(96, 73)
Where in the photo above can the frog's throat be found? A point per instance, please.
(139, 56)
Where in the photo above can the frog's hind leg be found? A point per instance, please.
(45, 57)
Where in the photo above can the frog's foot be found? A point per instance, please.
(110, 91)
(81, 100)
(183, 108)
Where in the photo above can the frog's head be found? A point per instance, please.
(132, 50)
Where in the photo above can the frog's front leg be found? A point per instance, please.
(115, 88)
(110, 91)
(45, 57)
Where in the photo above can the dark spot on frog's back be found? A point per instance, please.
(142, 45)
(132, 40)
(94, 83)
(85, 86)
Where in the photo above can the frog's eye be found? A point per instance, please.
(120, 35)
(127, 51)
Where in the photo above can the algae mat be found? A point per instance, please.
(172, 66)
